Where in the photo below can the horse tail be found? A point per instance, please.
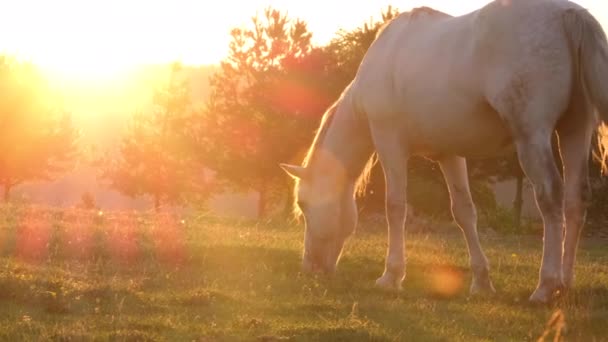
(589, 48)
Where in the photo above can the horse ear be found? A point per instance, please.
(294, 171)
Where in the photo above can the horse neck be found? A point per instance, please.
(348, 139)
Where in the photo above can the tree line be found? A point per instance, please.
(267, 98)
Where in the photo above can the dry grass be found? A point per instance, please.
(79, 276)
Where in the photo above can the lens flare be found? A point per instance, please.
(445, 281)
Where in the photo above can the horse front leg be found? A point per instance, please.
(393, 157)
(463, 210)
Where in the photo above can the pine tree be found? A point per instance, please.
(265, 100)
(154, 157)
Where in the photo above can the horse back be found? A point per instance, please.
(430, 73)
(412, 54)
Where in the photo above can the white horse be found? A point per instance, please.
(507, 75)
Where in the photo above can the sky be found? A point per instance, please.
(91, 38)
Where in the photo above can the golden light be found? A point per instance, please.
(84, 69)
(33, 236)
(445, 281)
(101, 39)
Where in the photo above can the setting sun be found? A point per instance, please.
(101, 39)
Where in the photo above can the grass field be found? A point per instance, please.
(71, 276)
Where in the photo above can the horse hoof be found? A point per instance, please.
(388, 283)
(540, 298)
(546, 292)
(483, 288)
(543, 295)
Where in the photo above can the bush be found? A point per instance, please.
(483, 196)
(503, 220)
(597, 216)
(427, 192)
(429, 197)
(87, 201)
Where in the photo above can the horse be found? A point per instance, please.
(506, 77)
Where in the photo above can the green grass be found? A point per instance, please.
(72, 276)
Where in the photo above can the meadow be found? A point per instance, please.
(71, 275)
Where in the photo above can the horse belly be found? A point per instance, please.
(469, 132)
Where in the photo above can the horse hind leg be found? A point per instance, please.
(575, 140)
(531, 104)
(536, 159)
(533, 128)
(463, 210)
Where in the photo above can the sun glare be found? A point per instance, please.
(100, 40)
(96, 69)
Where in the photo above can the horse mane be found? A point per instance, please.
(321, 132)
(318, 139)
(326, 121)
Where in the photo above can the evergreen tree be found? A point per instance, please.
(155, 158)
(263, 104)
